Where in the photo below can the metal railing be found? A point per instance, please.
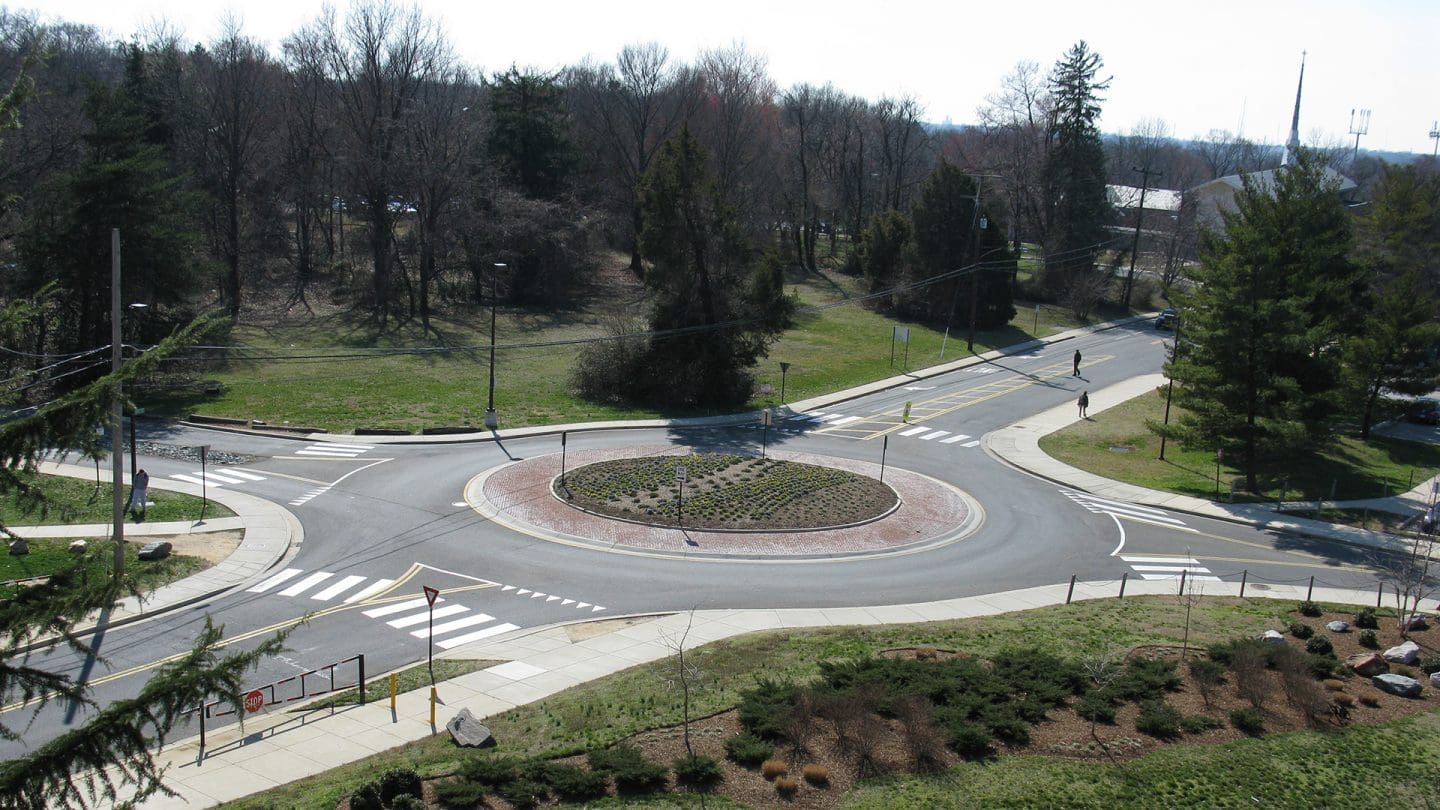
(277, 693)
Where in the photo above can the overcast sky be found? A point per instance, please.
(1197, 66)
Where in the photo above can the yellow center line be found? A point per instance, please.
(378, 598)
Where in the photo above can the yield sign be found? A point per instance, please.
(430, 595)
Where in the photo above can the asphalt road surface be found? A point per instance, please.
(382, 521)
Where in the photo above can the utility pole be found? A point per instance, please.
(1139, 217)
(1435, 136)
(1358, 129)
(975, 271)
(492, 419)
(117, 405)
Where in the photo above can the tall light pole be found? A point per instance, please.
(117, 406)
(492, 420)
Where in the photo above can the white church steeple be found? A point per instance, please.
(1292, 145)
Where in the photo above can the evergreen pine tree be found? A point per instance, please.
(1077, 209)
(528, 132)
(948, 236)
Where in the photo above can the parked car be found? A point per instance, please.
(1424, 412)
(1166, 318)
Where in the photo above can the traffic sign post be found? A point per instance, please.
(431, 594)
(204, 488)
(767, 417)
(563, 434)
(680, 476)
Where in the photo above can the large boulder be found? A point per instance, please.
(469, 732)
(1435, 680)
(1272, 637)
(19, 547)
(158, 550)
(1406, 653)
(79, 546)
(1398, 685)
(1367, 664)
(1338, 626)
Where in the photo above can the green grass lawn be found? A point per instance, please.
(602, 712)
(407, 680)
(79, 500)
(49, 555)
(830, 349)
(1115, 443)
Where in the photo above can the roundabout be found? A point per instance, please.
(862, 517)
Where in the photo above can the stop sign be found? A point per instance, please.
(253, 701)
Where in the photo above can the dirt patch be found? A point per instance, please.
(581, 632)
(212, 547)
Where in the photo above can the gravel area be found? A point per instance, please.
(930, 513)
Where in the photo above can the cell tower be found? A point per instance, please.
(1358, 128)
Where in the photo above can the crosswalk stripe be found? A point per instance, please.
(1131, 513)
(846, 420)
(248, 476)
(275, 580)
(476, 636)
(1194, 569)
(442, 629)
(307, 583)
(225, 477)
(957, 438)
(810, 417)
(1192, 578)
(971, 444)
(399, 607)
(937, 434)
(425, 616)
(913, 431)
(338, 588)
(1083, 496)
(191, 479)
(345, 446)
(373, 588)
(327, 453)
(1131, 558)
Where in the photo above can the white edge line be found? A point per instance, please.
(1122, 533)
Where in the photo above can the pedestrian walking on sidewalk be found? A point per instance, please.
(1084, 403)
(138, 486)
(1076, 372)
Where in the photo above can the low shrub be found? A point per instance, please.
(459, 794)
(1365, 619)
(1146, 678)
(573, 783)
(1199, 724)
(764, 709)
(1308, 608)
(632, 772)
(1369, 700)
(367, 797)
(398, 782)
(1158, 719)
(1323, 667)
(698, 771)
(523, 793)
(1333, 684)
(407, 802)
(969, 740)
(772, 768)
(787, 786)
(1319, 645)
(1368, 640)
(1248, 720)
(817, 775)
(1097, 707)
(490, 771)
(1301, 631)
(1430, 664)
(747, 749)
(1343, 699)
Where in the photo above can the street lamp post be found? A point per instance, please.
(134, 412)
(1170, 388)
(117, 464)
(784, 367)
(492, 420)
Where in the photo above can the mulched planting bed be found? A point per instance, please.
(726, 491)
(846, 739)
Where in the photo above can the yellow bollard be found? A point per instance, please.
(394, 687)
(433, 698)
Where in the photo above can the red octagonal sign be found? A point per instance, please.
(253, 701)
